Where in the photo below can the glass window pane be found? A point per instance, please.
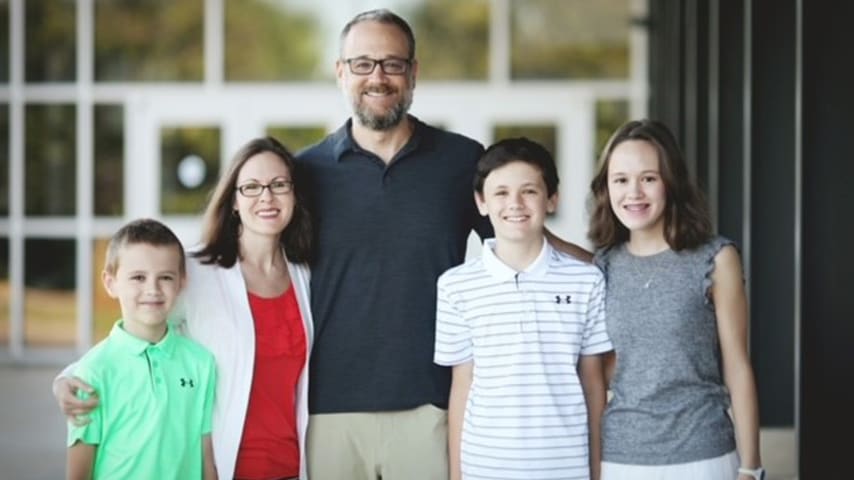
(452, 39)
(50, 152)
(106, 310)
(109, 160)
(610, 115)
(545, 135)
(4, 41)
(51, 40)
(155, 40)
(296, 138)
(4, 292)
(569, 39)
(269, 41)
(190, 168)
(50, 307)
(4, 160)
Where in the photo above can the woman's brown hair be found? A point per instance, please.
(221, 227)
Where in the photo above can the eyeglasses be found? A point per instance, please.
(389, 66)
(277, 187)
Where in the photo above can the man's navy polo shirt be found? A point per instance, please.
(383, 235)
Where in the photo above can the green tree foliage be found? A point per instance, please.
(151, 40)
(50, 40)
(452, 39)
(296, 138)
(4, 41)
(268, 42)
(610, 115)
(4, 159)
(545, 135)
(553, 39)
(50, 150)
(109, 160)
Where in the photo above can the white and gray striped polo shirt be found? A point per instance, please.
(525, 415)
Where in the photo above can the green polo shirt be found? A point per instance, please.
(156, 403)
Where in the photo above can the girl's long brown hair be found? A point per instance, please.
(687, 223)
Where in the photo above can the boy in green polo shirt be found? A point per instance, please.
(156, 387)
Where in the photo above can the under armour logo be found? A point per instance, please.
(185, 382)
(563, 299)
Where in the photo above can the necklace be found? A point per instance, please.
(640, 275)
(638, 261)
(648, 281)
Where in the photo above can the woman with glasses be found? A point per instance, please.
(247, 301)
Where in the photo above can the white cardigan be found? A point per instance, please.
(215, 311)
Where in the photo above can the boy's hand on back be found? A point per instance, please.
(74, 408)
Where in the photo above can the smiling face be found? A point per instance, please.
(635, 187)
(380, 101)
(516, 200)
(267, 214)
(146, 282)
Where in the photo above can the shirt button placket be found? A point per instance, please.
(155, 367)
(529, 316)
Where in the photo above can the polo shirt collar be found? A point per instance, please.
(137, 346)
(497, 268)
(342, 139)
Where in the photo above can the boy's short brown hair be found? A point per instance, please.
(521, 149)
(143, 230)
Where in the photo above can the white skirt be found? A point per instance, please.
(724, 467)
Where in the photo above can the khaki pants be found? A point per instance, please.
(400, 445)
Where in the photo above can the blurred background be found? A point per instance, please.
(116, 109)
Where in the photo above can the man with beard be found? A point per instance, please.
(393, 207)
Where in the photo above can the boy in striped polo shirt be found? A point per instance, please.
(523, 327)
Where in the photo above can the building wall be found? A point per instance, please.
(827, 234)
(757, 91)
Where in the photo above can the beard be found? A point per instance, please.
(387, 120)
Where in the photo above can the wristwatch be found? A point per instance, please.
(757, 473)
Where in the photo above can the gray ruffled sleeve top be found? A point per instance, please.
(669, 402)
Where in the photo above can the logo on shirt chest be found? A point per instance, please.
(563, 299)
(187, 382)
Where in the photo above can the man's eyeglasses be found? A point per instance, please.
(389, 66)
(278, 187)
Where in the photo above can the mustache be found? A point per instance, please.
(382, 89)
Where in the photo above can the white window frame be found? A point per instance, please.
(245, 111)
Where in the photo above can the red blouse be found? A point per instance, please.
(269, 447)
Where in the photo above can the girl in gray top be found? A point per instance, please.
(677, 315)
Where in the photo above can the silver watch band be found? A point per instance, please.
(757, 473)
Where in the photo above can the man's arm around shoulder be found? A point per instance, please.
(65, 389)
(568, 248)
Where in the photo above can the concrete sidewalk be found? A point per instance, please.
(32, 431)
